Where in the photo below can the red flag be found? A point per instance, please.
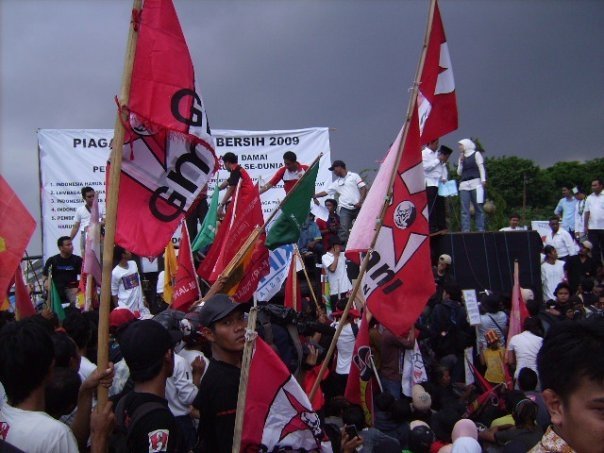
(170, 156)
(243, 216)
(398, 280)
(186, 288)
(359, 388)
(23, 305)
(278, 413)
(16, 227)
(519, 311)
(293, 293)
(437, 103)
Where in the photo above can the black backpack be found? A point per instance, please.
(120, 439)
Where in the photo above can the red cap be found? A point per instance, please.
(121, 316)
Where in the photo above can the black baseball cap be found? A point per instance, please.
(337, 163)
(144, 344)
(217, 307)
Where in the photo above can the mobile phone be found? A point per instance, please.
(351, 431)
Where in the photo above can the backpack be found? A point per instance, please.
(120, 439)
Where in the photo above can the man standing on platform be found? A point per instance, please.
(290, 173)
(236, 173)
(82, 217)
(594, 219)
(566, 210)
(434, 161)
(352, 191)
(65, 268)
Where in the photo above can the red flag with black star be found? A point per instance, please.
(398, 280)
(278, 414)
(437, 102)
(168, 155)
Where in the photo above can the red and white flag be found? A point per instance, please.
(169, 155)
(186, 288)
(16, 228)
(278, 414)
(438, 116)
(293, 291)
(359, 387)
(437, 103)
(519, 312)
(398, 280)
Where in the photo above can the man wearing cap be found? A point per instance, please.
(434, 161)
(351, 190)
(223, 324)
(566, 209)
(290, 173)
(442, 277)
(147, 348)
(580, 266)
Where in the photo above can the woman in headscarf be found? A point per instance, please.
(472, 184)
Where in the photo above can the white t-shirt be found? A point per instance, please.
(435, 171)
(35, 432)
(338, 280)
(345, 347)
(525, 346)
(82, 215)
(594, 204)
(86, 368)
(180, 390)
(562, 242)
(348, 189)
(551, 275)
(126, 285)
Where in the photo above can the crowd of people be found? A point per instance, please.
(173, 377)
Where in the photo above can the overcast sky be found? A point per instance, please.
(529, 74)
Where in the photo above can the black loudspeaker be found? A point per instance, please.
(486, 260)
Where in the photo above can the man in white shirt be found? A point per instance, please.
(351, 190)
(334, 263)
(560, 239)
(594, 219)
(514, 224)
(23, 422)
(552, 272)
(82, 217)
(126, 290)
(434, 161)
(523, 348)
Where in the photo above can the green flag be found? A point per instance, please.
(55, 301)
(208, 228)
(294, 210)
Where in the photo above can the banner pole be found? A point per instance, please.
(379, 220)
(312, 291)
(111, 204)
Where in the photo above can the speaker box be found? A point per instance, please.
(486, 260)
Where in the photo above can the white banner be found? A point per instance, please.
(71, 159)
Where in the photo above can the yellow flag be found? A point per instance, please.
(170, 268)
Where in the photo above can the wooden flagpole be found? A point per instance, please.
(312, 291)
(379, 220)
(111, 206)
(246, 360)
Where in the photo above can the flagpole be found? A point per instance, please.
(250, 338)
(112, 200)
(312, 291)
(379, 220)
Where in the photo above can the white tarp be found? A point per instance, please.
(74, 158)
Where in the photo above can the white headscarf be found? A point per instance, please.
(466, 445)
(468, 146)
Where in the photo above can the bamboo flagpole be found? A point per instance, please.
(111, 205)
(310, 287)
(246, 360)
(379, 220)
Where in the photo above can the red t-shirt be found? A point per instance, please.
(289, 178)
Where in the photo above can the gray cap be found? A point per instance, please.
(217, 307)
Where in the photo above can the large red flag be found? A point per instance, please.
(278, 413)
(398, 280)
(519, 311)
(186, 288)
(169, 155)
(437, 103)
(23, 304)
(359, 387)
(437, 107)
(16, 227)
